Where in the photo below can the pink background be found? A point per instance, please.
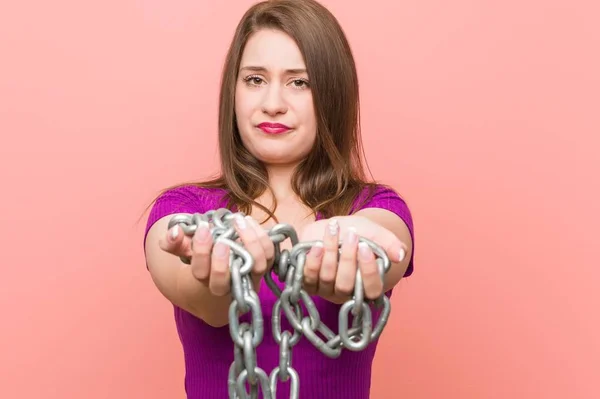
(485, 115)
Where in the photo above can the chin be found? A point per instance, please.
(279, 159)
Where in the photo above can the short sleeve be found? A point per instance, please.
(183, 199)
(388, 199)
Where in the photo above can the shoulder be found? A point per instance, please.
(185, 199)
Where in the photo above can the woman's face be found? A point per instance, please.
(273, 100)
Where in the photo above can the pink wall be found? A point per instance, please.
(485, 115)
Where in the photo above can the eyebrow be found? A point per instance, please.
(292, 71)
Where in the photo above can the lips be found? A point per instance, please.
(273, 128)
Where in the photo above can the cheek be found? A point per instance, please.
(243, 110)
(239, 103)
(308, 115)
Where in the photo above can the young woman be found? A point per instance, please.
(290, 152)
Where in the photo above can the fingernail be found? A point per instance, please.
(240, 221)
(202, 231)
(402, 255)
(333, 227)
(351, 235)
(175, 232)
(317, 249)
(220, 249)
(364, 251)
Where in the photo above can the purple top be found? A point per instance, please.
(208, 351)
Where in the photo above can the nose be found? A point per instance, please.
(273, 101)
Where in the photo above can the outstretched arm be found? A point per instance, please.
(394, 224)
(333, 277)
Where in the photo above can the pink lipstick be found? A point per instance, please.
(273, 128)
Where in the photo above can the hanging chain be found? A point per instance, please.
(288, 267)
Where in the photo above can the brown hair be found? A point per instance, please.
(332, 175)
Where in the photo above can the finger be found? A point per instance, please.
(346, 273)
(329, 262)
(251, 243)
(219, 280)
(372, 283)
(176, 242)
(201, 252)
(264, 239)
(395, 249)
(312, 266)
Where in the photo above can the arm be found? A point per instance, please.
(381, 226)
(392, 222)
(175, 281)
(384, 219)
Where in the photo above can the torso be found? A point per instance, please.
(209, 351)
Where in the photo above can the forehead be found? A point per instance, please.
(273, 50)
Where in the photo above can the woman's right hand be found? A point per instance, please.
(210, 260)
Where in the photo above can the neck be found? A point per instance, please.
(280, 180)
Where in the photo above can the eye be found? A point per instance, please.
(299, 83)
(253, 80)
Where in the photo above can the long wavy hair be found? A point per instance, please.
(332, 176)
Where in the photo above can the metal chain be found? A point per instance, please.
(288, 267)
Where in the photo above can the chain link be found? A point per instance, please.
(288, 268)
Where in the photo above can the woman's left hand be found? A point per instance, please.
(333, 280)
